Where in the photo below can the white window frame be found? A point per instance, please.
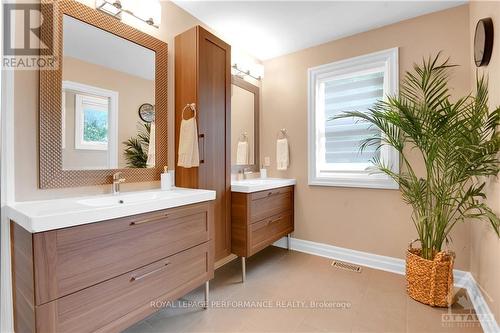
(63, 120)
(99, 103)
(352, 174)
(85, 93)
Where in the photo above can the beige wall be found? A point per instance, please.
(485, 245)
(132, 90)
(369, 220)
(174, 21)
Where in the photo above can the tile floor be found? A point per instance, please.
(287, 284)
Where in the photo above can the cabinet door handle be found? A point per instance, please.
(202, 151)
(137, 278)
(152, 219)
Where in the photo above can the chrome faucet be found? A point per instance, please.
(116, 182)
(247, 172)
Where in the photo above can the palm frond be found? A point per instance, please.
(136, 148)
(458, 141)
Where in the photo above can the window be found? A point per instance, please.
(349, 85)
(95, 119)
(91, 122)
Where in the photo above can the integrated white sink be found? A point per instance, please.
(38, 216)
(260, 184)
(123, 199)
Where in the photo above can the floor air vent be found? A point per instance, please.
(346, 266)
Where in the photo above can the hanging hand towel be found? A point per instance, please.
(282, 157)
(242, 153)
(188, 144)
(151, 148)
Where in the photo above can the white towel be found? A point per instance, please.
(150, 163)
(189, 155)
(242, 153)
(282, 157)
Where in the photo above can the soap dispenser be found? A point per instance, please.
(263, 172)
(166, 179)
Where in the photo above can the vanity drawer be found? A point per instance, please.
(271, 202)
(271, 192)
(128, 295)
(267, 231)
(68, 260)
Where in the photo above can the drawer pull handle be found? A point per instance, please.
(137, 278)
(274, 220)
(153, 219)
(273, 193)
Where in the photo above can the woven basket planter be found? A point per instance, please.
(430, 281)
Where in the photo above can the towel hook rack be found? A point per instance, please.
(282, 134)
(243, 137)
(192, 106)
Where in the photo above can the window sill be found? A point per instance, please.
(91, 147)
(359, 182)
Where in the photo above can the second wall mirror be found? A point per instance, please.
(244, 125)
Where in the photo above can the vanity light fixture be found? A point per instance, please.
(241, 72)
(148, 11)
(113, 8)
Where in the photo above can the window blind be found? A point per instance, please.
(357, 92)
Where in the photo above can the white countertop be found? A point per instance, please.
(260, 184)
(37, 216)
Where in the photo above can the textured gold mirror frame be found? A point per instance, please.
(51, 173)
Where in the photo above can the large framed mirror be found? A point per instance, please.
(244, 125)
(103, 109)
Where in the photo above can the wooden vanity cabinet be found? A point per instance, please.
(260, 218)
(203, 77)
(105, 276)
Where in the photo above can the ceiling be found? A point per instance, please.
(268, 29)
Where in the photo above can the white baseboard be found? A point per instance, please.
(366, 259)
(486, 317)
(462, 279)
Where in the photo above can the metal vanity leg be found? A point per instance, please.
(288, 242)
(207, 295)
(243, 269)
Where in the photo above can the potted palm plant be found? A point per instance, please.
(459, 142)
(136, 148)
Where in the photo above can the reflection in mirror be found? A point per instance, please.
(106, 79)
(244, 124)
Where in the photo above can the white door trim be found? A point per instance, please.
(7, 196)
